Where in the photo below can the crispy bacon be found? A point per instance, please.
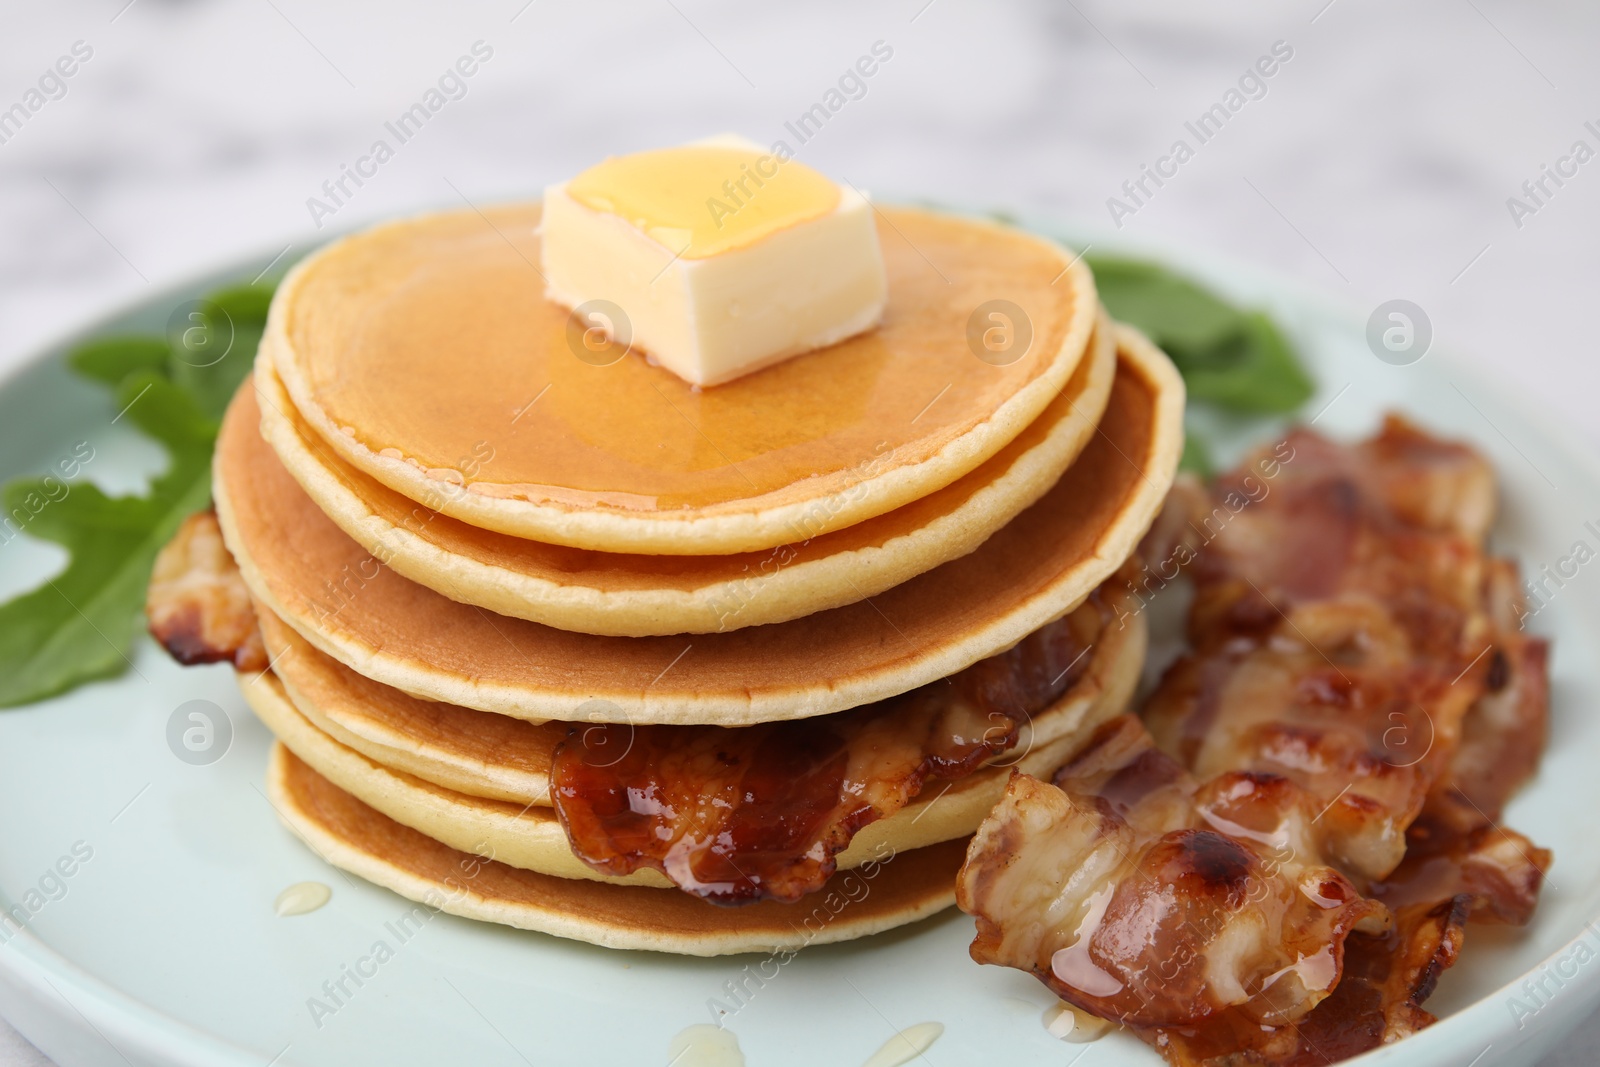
(1457, 848)
(197, 605)
(1505, 730)
(1160, 902)
(1408, 607)
(1385, 979)
(1395, 522)
(1358, 673)
(1343, 731)
(759, 812)
(1341, 631)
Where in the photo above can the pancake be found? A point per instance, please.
(473, 752)
(889, 892)
(645, 595)
(530, 837)
(424, 353)
(1042, 564)
(527, 834)
(500, 758)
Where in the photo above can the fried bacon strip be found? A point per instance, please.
(1358, 671)
(1456, 847)
(197, 605)
(1338, 630)
(1460, 864)
(1157, 901)
(736, 815)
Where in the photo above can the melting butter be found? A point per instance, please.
(302, 897)
(704, 1045)
(906, 1046)
(701, 200)
(1070, 1024)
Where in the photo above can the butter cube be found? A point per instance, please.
(722, 258)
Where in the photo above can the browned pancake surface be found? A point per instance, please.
(431, 337)
(1078, 401)
(1035, 568)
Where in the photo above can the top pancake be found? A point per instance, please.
(424, 353)
(1043, 563)
(632, 595)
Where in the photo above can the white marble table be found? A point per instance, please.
(1377, 164)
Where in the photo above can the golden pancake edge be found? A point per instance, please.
(424, 353)
(1043, 563)
(631, 595)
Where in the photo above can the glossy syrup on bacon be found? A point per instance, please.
(1359, 695)
(1158, 901)
(736, 815)
(1428, 711)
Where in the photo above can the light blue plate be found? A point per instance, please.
(163, 947)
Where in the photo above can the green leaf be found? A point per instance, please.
(1196, 455)
(80, 624)
(1175, 312)
(112, 359)
(213, 379)
(213, 344)
(245, 304)
(1238, 360)
(1255, 371)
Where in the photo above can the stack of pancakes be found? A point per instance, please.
(472, 537)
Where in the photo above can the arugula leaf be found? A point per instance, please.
(1255, 371)
(212, 347)
(213, 385)
(1196, 457)
(1173, 311)
(245, 303)
(80, 625)
(1235, 359)
(112, 359)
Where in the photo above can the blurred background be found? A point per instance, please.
(1385, 157)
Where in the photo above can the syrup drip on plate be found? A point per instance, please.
(704, 1045)
(301, 899)
(906, 1046)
